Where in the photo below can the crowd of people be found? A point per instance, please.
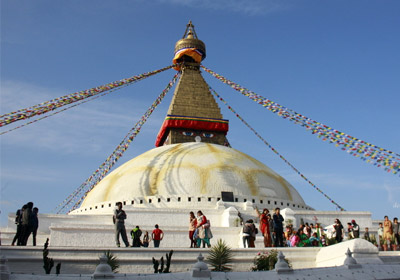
(270, 226)
(199, 231)
(119, 218)
(27, 223)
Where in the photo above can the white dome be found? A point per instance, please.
(192, 169)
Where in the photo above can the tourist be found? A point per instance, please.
(249, 230)
(356, 229)
(294, 239)
(396, 231)
(314, 240)
(366, 234)
(339, 231)
(304, 240)
(146, 240)
(26, 223)
(380, 231)
(18, 221)
(312, 228)
(253, 234)
(387, 231)
(323, 240)
(136, 233)
(350, 231)
(271, 230)
(203, 230)
(307, 230)
(35, 224)
(157, 235)
(317, 230)
(278, 227)
(192, 228)
(119, 221)
(265, 226)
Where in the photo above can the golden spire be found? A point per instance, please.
(189, 48)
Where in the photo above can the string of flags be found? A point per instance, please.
(274, 150)
(81, 192)
(367, 152)
(56, 103)
(64, 109)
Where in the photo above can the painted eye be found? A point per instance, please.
(187, 133)
(207, 135)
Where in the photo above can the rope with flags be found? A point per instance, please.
(64, 109)
(274, 150)
(74, 200)
(367, 152)
(53, 104)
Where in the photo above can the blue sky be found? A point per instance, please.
(337, 62)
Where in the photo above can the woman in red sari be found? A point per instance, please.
(264, 227)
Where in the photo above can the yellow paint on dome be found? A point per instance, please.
(191, 169)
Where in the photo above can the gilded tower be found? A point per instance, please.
(193, 115)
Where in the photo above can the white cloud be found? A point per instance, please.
(85, 129)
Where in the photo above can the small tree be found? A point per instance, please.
(220, 256)
(112, 261)
(48, 263)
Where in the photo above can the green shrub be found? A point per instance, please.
(112, 261)
(220, 256)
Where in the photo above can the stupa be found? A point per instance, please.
(193, 167)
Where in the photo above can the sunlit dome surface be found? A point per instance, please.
(192, 169)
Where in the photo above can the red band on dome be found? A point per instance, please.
(195, 123)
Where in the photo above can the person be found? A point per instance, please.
(278, 227)
(356, 229)
(396, 231)
(338, 230)
(387, 230)
(350, 230)
(317, 230)
(312, 228)
(157, 235)
(366, 234)
(146, 239)
(18, 221)
(380, 231)
(26, 223)
(304, 240)
(203, 230)
(314, 240)
(35, 224)
(192, 228)
(253, 234)
(294, 239)
(119, 222)
(136, 233)
(307, 230)
(265, 226)
(271, 229)
(248, 232)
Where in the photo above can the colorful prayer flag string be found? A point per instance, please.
(64, 109)
(274, 150)
(76, 198)
(367, 152)
(71, 98)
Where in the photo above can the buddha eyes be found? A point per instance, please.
(188, 133)
(203, 134)
(207, 135)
